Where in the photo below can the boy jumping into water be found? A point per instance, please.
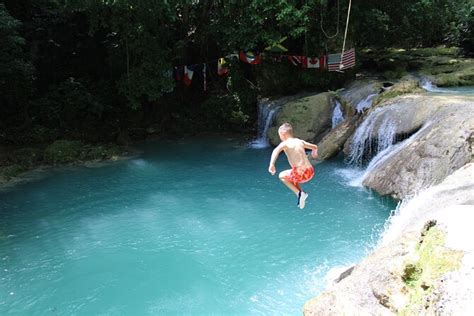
(301, 169)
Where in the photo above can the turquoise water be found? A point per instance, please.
(462, 90)
(188, 227)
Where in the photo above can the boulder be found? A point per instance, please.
(442, 145)
(396, 117)
(381, 285)
(310, 117)
(63, 151)
(446, 71)
(357, 92)
(334, 141)
(371, 287)
(406, 85)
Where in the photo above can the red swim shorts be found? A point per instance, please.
(302, 175)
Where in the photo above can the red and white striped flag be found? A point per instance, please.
(188, 75)
(296, 60)
(348, 61)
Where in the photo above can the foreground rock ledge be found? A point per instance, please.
(376, 286)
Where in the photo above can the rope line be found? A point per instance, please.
(345, 34)
(321, 22)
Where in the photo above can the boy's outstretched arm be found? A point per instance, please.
(276, 152)
(313, 147)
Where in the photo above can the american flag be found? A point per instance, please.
(348, 61)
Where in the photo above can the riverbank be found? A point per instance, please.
(21, 163)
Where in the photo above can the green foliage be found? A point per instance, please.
(139, 42)
(12, 171)
(67, 151)
(415, 23)
(421, 277)
(466, 30)
(69, 107)
(243, 91)
(15, 71)
(26, 157)
(91, 152)
(278, 79)
(101, 67)
(63, 151)
(224, 113)
(256, 24)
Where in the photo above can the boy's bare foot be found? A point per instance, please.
(302, 199)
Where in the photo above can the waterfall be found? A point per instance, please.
(362, 141)
(386, 153)
(337, 115)
(266, 113)
(428, 86)
(365, 103)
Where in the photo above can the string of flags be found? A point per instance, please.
(331, 62)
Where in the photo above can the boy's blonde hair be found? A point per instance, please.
(286, 128)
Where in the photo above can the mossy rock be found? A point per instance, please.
(449, 72)
(63, 151)
(90, 152)
(9, 172)
(356, 92)
(66, 151)
(421, 277)
(435, 51)
(408, 84)
(462, 77)
(309, 116)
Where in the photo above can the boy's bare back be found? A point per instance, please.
(295, 151)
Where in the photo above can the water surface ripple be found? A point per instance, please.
(189, 227)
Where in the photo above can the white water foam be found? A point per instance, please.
(365, 103)
(431, 87)
(362, 139)
(414, 211)
(337, 115)
(386, 153)
(350, 175)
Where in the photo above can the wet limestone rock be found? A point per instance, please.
(448, 71)
(406, 85)
(333, 142)
(442, 145)
(358, 91)
(404, 114)
(413, 269)
(372, 288)
(310, 117)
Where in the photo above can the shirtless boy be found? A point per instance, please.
(301, 169)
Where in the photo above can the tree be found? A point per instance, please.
(16, 73)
